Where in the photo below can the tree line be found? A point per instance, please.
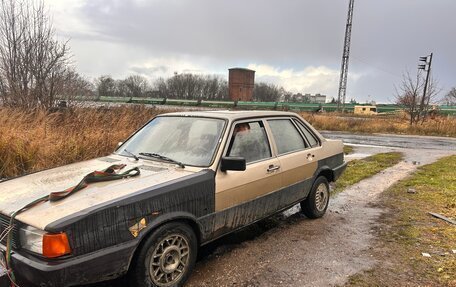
(186, 86)
(180, 86)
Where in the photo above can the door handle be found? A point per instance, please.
(273, 168)
(310, 156)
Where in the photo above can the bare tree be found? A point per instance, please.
(450, 97)
(132, 86)
(176, 87)
(74, 86)
(193, 87)
(136, 85)
(33, 65)
(161, 87)
(410, 96)
(105, 86)
(265, 92)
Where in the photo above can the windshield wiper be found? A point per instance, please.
(159, 156)
(132, 154)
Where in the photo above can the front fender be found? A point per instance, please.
(168, 217)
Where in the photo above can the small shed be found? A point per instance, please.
(365, 110)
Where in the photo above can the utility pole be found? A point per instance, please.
(345, 55)
(427, 68)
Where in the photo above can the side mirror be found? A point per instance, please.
(232, 163)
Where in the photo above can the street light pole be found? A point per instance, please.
(426, 67)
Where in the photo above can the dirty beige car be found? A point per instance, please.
(202, 175)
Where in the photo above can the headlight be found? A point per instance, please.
(32, 239)
(47, 244)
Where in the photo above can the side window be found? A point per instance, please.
(249, 141)
(309, 136)
(286, 136)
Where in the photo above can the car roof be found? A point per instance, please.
(230, 115)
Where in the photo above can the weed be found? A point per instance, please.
(348, 149)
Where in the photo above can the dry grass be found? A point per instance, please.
(393, 124)
(36, 140)
(31, 141)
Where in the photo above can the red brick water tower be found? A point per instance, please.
(241, 82)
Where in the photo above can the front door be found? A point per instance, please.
(262, 175)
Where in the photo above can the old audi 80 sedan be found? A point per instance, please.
(196, 177)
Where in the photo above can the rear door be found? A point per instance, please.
(296, 156)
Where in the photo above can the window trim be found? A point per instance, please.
(297, 121)
(277, 154)
(249, 120)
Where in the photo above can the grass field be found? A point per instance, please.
(411, 231)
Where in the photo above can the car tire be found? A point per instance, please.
(166, 258)
(316, 203)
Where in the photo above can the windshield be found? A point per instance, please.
(188, 140)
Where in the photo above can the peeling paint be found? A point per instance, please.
(137, 227)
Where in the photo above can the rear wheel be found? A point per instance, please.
(167, 257)
(316, 203)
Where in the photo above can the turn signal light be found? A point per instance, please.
(55, 245)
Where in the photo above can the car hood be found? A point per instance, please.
(18, 192)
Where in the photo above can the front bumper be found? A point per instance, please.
(97, 266)
(337, 171)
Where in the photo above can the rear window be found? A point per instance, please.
(286, 136)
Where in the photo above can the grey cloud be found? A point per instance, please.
(238, 31)
(387, 35)
(150, 71)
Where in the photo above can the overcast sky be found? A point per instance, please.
(293, 43)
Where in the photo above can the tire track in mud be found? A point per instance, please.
(297, 251)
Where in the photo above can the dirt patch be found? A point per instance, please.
(297, 251)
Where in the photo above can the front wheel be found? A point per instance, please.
(167, 257)
(316, 203)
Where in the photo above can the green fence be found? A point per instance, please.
(304, 107)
